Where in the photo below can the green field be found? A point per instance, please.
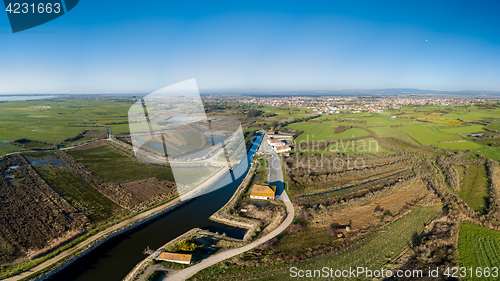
(374, 119)
(8, 148)
(373, 252)
(112, 165)
(495, 125)
(491, 152)
(288, 112)
(393, 132)
(478, 247)
(68, 184)
(474, 186)
(471, 129)
(474, 114)
(467, 145)
(315, 131)
(427, 135)
(55, 120)
(363, 146)
(412, 148)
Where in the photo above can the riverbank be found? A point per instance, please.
(276, 176)
(223, 216)
(138, 273)
(62, 260)
(114, 260)
(220, 216)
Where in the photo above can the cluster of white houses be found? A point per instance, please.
(279, 142)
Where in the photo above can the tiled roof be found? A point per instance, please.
(175, 257)
(263, 190)
(282, 147)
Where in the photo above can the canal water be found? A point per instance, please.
(113, 260)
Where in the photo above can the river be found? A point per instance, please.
(113, 260)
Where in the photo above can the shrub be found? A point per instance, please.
(186, 245)
(295, 228)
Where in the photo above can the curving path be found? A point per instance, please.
(275, 177)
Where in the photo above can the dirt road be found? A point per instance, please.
(275, 177)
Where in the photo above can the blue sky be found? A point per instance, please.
(140, 46)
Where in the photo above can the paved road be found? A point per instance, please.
(275, 176)
(265, 147)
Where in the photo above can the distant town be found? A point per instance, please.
(326, 105)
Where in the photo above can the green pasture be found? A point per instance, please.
(112, 165)
(467, 145)
(478, 247)
(471, 129)
(289, 112)
(474, 186)
(315, 131)
(428, 135)
(374, 119)
(412, 148)
(68, 184)
(393, 132)
(474, 114)
(55, 120)
(8, 148)
(494, 125)
(363, 146)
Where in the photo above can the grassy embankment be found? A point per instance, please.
(474, 186)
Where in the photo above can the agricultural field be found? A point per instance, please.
(345, 147)
(315, 131)
(112, 165)
(288, 112)
(373, 252)
(8, 148)
(68, 184)
(374, 119)
(471, 129)
(353, 147)
(371, 212)
(393, 132)
(412, 148)
(474, 186)
(495, 125)
(369, 200)
(490, 152)
(428, 135)
(25, 196)
(473, 114)
(478, 247)
(58, 120)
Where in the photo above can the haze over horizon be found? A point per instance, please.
(123, 47)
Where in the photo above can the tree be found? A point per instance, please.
(254, 113)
